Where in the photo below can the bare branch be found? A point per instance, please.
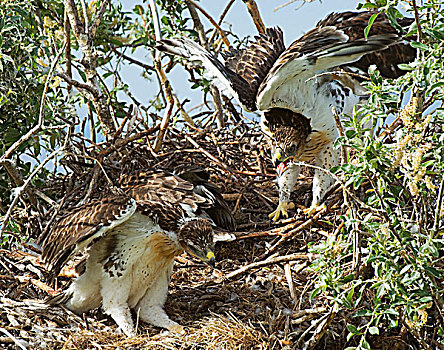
(212, 21)
(269, 261)
(78, 84)
(255, 15)
(36, 128)
(164, 82)
(221, 18)
(218, 111)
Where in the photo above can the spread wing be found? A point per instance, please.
(79, 227)
(243, 71)
(387, 60)
(335, 41)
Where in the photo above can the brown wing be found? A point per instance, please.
(219, 211)
(254, 62)
(78, 228)
(162, 187)
(336, 41)
(243, 70)
(353, 25)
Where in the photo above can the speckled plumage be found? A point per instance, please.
(303, 84)
(132, 239)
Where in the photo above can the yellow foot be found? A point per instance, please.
(177, 328)
(314, 209)
(281, 209)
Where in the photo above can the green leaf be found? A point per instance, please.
(352, 329)
(405, 66)
(370, 23)
(373, 330)
(365, 345)
(420, 46)
(363, 312)
(434, 272)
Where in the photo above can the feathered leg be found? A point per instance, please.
(326, 159)
(286, 182)
(150, 307)
(115, 292)
(84, 291)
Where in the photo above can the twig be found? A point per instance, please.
(294, 231)
(438, 209)
(164, 83)
(352, 195)
(203, 41)
(320, 329)
(418, 21)
(289, 278)
(132, 60)
(67, 29)
(290, 2)
(36, 128)
(212, 21)
(27, 182)
(14, 339)
(17, 179)
(341, 134)
(221, 18)
(214, 159)
(255, 15)
(284, 258)
(78, 84)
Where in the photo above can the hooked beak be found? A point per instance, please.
(276, 159)
(280, 163)
(208, 259)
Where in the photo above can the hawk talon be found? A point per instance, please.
(177, 328)
(315, 208)
(281, 209)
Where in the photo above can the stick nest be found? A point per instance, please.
(256, 298)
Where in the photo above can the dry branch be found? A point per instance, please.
(255, 15)
(221, 18)
(285, 258)
(218, 112)
(89, 61)
(164, 82)
(212, 21)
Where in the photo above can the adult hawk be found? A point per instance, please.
(298, 88)
(132, 239)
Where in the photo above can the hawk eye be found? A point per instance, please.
(291, 149)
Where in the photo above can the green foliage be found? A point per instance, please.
(401, 183)
(21, 82)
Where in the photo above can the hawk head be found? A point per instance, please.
(196, 238)
(289, 133)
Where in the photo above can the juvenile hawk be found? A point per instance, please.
(297, 88)
(132, 240)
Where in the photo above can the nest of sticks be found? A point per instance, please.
(257, 297)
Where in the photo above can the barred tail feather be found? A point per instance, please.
(58, 299)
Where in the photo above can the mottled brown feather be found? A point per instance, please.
(253, 63)
(353, 25)
(219, 212)
(80, 224)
